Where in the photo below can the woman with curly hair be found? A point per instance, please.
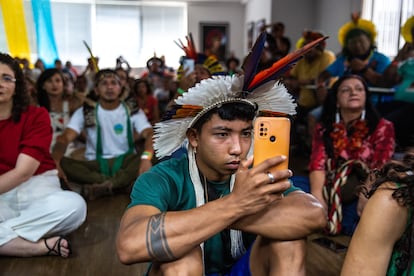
(350, 139)
(383, 241)
(34, 211)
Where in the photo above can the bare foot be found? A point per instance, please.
(57, 246)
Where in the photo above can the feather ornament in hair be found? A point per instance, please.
(252, 60)
(181, 111)
(189, 50)
(282, 65)
(169, 134)
(93, 58)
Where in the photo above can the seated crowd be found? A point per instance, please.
(111, 133)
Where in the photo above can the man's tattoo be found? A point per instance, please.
(157, 245)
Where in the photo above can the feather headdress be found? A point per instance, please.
(211, 63)
(357, 23)
(407, 30)
(93, 58)
(271, 97)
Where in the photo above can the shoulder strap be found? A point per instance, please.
(132, 105)
(89, 115)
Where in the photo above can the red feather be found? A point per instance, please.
(280, 66)
(189, 50)
(182, 111)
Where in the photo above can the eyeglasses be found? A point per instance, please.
(7, 79)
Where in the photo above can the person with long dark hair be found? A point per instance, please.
(35, 212)
(349, 139)
(146, 100)
(386, 225)
(51, 95)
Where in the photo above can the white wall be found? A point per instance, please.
(330, 22)
(214, 12)
(323, 15)
(297, 15)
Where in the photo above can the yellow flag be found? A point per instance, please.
(15, 28)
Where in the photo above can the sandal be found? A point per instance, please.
(55, 250)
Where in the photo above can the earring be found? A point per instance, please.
(363, 115)
(337, 117)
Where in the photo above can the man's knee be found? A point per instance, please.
(289, 251)
(190, 264)
(283, 257)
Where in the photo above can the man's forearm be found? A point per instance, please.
(293, 217)
(58, 151)
(148, 144)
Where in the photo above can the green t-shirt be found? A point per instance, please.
(168, 187)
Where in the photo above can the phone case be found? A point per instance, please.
(188, 64)
(271, 138)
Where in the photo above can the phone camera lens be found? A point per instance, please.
(272, 138)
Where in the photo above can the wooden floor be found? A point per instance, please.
(93, 245)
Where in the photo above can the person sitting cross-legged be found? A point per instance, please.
(112, 127)
(35, 213)
(350, 139)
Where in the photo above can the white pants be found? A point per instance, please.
(39, 208)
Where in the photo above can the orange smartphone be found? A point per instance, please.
(271, 138)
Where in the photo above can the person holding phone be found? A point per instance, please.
(386, 225)
(350, 139)
(210, 212)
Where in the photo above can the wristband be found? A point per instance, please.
(180, 91)
(146, 155)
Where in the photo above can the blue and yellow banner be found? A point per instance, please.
(16, 30)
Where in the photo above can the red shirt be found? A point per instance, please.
(151, 103)
(32, 136)
(376, 149)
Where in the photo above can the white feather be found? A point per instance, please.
(272, 96)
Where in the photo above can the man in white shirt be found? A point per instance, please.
(112, 127)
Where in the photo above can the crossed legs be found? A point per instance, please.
(267, 257)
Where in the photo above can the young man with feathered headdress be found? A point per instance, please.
(209, 212)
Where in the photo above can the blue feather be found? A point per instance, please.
(252, 60)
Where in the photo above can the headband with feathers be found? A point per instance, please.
(407, 30)
(357, 23)
(272, 98)
(211, 63)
